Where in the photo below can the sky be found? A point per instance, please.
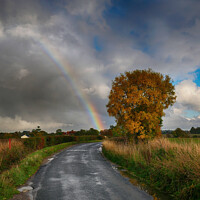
(58, 59)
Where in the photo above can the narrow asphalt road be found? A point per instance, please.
(82, 173)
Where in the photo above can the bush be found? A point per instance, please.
(180, 133)
(32, 143)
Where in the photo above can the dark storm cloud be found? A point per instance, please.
(142, 20)
(31, 85)
(39, 88)
(17, 12)
(99, 40)
(157, 34)
(141, 14)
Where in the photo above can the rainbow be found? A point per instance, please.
(70, 76)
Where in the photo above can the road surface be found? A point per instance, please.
(82, 173)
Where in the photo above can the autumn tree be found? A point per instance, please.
(137, 100)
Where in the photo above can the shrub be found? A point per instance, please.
(180, 133)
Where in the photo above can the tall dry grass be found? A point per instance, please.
(4, 144)
(170, 165)
(8, 157)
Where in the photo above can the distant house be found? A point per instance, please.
(24, 136)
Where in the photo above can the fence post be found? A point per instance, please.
(9, 143)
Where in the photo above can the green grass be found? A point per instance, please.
(18, 175)
(185, 140)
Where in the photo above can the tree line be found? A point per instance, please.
(39, 133)
(195, 130)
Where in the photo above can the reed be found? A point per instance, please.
(171, 167)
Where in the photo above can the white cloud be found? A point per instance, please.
(177, 111)
(102, 90)
(188, 98)
(188, 94)
(23, 31)
(178, 121)
(18, 124)
(126, 59)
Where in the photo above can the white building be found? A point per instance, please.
(24, 136)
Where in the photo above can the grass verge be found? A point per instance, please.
(19, 174)
(171, 168)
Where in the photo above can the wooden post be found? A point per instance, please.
(9, 143)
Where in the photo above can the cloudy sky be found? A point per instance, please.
(58, 58)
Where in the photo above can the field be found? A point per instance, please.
(185, 140)
(171, 166)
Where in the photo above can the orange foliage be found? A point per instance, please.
(137, 100)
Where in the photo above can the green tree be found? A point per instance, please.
(193, 130)
(59, 132)
(93, 131)
(179, 133)
(81, 132)
(137, 100)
